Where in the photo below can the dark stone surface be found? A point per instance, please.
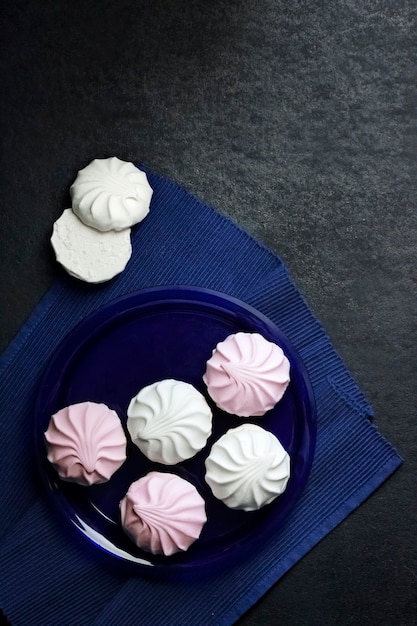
(297, 119)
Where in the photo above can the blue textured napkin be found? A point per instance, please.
(46, 577)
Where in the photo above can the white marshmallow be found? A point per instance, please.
(89, 254)
(111, 194)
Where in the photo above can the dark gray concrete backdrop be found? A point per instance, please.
(297, 119)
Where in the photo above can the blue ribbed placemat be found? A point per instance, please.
(45, 577)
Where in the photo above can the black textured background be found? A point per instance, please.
(297, 119)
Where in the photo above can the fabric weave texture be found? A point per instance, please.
(45, 576)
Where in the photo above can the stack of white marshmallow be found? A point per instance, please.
(92, 239)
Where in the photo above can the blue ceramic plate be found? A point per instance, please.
(160, 333)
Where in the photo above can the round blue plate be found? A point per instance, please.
(158, 333)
